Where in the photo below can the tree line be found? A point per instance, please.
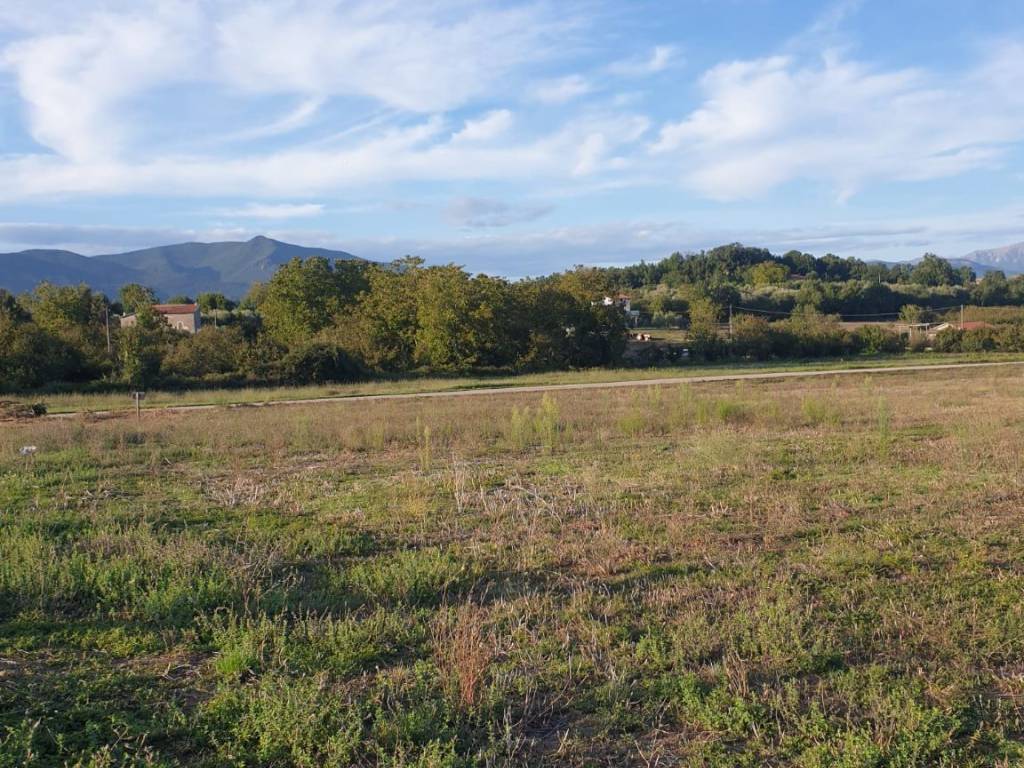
(316, 320)
(794, 282)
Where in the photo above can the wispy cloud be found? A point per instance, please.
(562, 89)
(660, 59)
(290, 121)
(490, 126)
(765, 122)
(274, 211)
(79, 73)
(479, 212)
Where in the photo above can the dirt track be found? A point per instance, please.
(665, 381)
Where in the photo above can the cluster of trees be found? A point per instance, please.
(738, 264)
(742, 276)
(315, 321)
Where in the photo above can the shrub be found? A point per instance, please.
(319, 362)
(874, 340)
(210, 351)
(752, 337)
(948, 340)
(817, 335)
(981, 340)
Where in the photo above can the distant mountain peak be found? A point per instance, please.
(183, 268)
(1007, 258)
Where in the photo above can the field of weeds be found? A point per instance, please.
(79, 402)
(820, 572)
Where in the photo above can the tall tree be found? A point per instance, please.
(134, 297)
(304, 296)
(933, 271)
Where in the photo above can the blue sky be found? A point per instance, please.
(515, 138)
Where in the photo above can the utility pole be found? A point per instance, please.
(961, 317)
(106, 322)
(730, 321)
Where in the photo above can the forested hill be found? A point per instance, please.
(754, 278)
(185, 268)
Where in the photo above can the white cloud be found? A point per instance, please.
(419, 57)
(80, 73)
(490, 126)
(480, 212)
(89, 81)
(562, 89)
(72, 82)
(275, 210)
(769, 121)
(292, 120)
(660, 59)
(422, 151)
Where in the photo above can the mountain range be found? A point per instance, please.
(231, 267)
(186, 268)
(1009, 258)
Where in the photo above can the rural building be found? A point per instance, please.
(970, 325)
(623, 302)
(182, 317)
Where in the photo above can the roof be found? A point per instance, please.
(175, 309)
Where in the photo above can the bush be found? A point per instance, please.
(816, 335)
(1011, 337)
(875, 340)
(981, 340)
(319, 362)
(210, 351)
(752, 337)
(949, 340)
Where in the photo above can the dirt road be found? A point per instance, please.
(665, 381)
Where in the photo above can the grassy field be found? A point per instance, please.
(103, 401)
(820, 572)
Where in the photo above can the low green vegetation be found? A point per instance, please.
(76, 402)
(807, 572)
(316, 321)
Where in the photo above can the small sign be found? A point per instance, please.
(138, 395)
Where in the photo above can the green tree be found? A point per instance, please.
(767, 273)
(214, 301)
(703, 328)
(134, 297)
(305, 296)
(991, 290)
(933, 271)
(381, 330)
(29, 355)
(810, 295)
(77, 317)
(140, 348)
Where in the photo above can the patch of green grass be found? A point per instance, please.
(808, 572)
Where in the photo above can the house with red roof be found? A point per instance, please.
(182, 317)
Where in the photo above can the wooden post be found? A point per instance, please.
(961, 317)
(138, 397)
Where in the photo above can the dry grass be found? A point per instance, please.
(803, 572)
